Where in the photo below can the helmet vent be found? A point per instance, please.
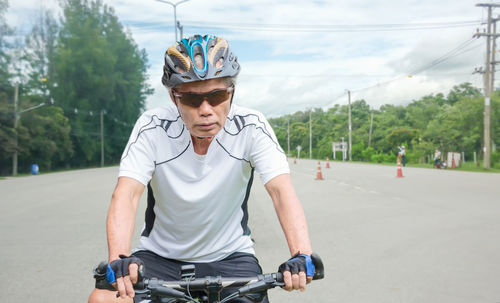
(219, 62)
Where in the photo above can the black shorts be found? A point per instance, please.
(235, 265)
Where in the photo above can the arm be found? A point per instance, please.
(120, 226)
(293, 222)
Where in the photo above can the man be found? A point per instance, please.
(197, 159)
(402, 154)
(437, 158)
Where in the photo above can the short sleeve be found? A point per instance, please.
(266, 154)
(138, 159)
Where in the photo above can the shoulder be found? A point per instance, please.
(162, 119)
(237, 110)
(159, 113)
(242, 118)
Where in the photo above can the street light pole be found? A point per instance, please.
(310, 134)
(16, 119)
(350, 125)
(17, 116)
(174, 5)
(288, 135)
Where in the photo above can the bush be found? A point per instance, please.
(495, 158)
(389, 158)
(368, 154)
(357, 151)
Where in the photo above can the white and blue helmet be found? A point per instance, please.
(199, 58)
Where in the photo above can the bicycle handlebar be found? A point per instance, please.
(176, 289)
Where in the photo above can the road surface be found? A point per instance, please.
(431, 236)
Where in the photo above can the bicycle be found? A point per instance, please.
(202, 290)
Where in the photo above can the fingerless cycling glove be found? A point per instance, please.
(119, 268)
(298, 263)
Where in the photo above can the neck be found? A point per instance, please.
(201, 145)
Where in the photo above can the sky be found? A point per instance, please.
(297, 55)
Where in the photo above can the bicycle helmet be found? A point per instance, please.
(199, 58)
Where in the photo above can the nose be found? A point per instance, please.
(205, 108)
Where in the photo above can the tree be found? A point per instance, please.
(7, 145)
(98, 68)
(39, 51)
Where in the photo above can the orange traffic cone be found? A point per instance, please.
(400, 171)
(327, 162)
(294, 160)
(319, 175)
(453, 165)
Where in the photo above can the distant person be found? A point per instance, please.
(197, 158)
(402, 154)
(437, 158)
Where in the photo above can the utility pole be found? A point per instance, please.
(181, 29)
(16, 119)
(493, 51)
(17, 116)
(102, 138)
(488, 76)
(371, 128)
(288, 133)
(350, 124)
(310, 134)
(174, 5)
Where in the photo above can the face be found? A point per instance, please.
(208, 116)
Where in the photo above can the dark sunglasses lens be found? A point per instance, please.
(214, 98)
(192, 100)
(217, 97)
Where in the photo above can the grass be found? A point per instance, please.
(467, 166)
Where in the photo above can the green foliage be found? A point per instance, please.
(452, 123)
(7, 144)
(98, 67)
(85, 61)
(368, 153)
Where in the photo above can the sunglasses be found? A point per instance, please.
(214, 97)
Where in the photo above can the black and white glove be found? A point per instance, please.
(119, 268)
(298, 263)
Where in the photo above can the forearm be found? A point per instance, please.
(291, 215)
(121, 220)
(293, 223)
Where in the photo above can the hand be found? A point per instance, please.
(123, 274)
(297, 272)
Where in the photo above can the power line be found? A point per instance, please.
(311, 27)
(329, 76)
(448, 55)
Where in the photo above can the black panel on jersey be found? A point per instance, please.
(150, 215)
(244, 207)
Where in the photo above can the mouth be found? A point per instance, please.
(206, 126)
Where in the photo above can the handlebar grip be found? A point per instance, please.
(100, 277)
(279, 277)
(319, 272)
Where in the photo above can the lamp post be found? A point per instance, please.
(174, 5)
(17, 116)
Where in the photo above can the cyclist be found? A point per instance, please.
(197, 157)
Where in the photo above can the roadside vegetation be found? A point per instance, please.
(82, 67)
(450, 123)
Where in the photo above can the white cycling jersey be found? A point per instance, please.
(197, 204)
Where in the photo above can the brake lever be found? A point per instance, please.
(268, 281)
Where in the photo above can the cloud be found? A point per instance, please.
(287, 67)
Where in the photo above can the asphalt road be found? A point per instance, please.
(432, 236)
